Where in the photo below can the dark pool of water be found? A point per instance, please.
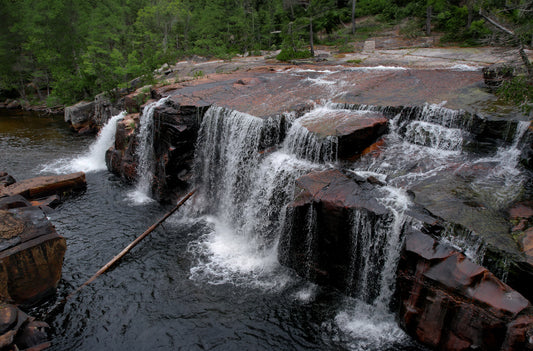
(149, 300)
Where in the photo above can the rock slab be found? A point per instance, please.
(40, 187)
(31, 255)
(447, 302)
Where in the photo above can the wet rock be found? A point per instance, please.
(32, 255)
(46, 186)
(18, 331)
(15, 201)
(174, 145)
(134, 101)
(6, 179)
(13, 105)
(104, 109)
(50, 201)
(81, 115)
(329, 197)
(355, 130)
(120, 158)
(33, 335)
(448, 302)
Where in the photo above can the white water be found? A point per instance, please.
(94, 159)
(246, 191)
(505, 180)
(145, 155)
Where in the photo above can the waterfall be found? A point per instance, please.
(145, 155)
(503, 183)
(94, 159)
(246, 193)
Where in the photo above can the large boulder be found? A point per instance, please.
(31, 255)
(354, 130)
(81, 115)
(448, 302)
(319, 245)
(174, 143)
(174, 146)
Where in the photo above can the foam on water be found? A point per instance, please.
(367, 330)
(377, 68)
(464, 67)
(94, 159)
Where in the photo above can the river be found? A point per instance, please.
(157, 297)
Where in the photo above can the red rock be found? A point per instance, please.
(448, 302)
(355, 130)
(521, 210)
(31, 266)
(45, 186)
(332, 196)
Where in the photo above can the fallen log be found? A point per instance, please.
(132, 244)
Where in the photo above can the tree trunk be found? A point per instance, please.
(353, 16)
(470, 14)
(311, 36)
(429, 12)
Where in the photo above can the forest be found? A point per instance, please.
(62, 51)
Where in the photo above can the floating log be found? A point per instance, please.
(132, 244)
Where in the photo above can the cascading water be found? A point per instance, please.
(94, 159)
(145, 155)
(504, 181)
(246, 192)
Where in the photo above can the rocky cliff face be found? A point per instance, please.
(353, 232)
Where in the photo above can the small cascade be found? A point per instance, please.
(503, 183)
(434, 136)
(376, 245)
(145, 155)
(306, 145)
(94, 159)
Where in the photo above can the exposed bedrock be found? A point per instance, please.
(174, 146)
(443, 299)
(31, 255)
(31, 251)
(175, 133)
(450, 303)
(354, 130)
(120, 158)
(89, 116)
(318, 243)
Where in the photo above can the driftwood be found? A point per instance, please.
(132, 244)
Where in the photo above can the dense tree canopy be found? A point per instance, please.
(66, 50)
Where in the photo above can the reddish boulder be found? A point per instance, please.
(324, 204)
(45, 186)
(448, 302)
(355, 130)
(31, 255)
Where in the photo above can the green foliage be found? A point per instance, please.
(67, 50)
(288, 54)
(517, 91)
(198, 74)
